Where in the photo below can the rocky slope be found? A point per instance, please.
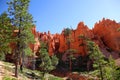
(109, 36)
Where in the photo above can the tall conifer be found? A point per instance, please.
(23, 21)
(5, 34)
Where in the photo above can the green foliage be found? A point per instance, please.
(67, 31)
(118, 29)
(48, 63)
(8, 78)
(23, 21)
(2, 56)
(28, 51)
(90, 45)
(107, 73)
(81, 36)
(54, 78)
(70, 57)
(118, 74)
(110, 70)
(54, 60)
(71, 53)
(68, 41)
(5, 33)
(96, 55)
(44, 45)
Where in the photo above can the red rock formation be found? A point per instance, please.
(36, 45)
(109, 36)
(107, 31)
(104, 33)
(75, 40)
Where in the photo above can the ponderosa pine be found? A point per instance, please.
(5, 34)
(23, 21)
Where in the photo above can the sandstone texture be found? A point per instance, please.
(105, 33)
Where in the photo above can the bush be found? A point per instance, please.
(8, 78)
(2, 56)
(54, 78)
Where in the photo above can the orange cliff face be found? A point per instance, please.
(109, 37)
(107, 31)
(104, 33)
(75, 40)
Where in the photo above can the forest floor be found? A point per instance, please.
(7, 73)
(1, 70)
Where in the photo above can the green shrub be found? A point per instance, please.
(55, 78)
(8, 78)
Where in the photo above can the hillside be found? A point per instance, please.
(105, 34)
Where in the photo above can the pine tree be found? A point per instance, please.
(110, 70)
(48, 63)
(71, 57)
(84, 39)
(96, 55)
(5, 34)
(118, 29)
(67, 33)
(23, 21)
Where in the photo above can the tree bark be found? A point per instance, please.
(21, 68)
(70, 65)
(17, 52)
(16, 69)
(34, 61)
(16, 72)
(22, 61)
(101, 74)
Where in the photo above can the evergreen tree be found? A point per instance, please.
(48, 63)
(71, 57)
(67, 33)
(96, 55)
(118, 29)
(84, 39)
(110, 70)
(5, 34)
(23, 21)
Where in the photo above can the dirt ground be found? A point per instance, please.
(5, 72)
(2, 71)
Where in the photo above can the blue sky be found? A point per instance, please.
(54, 15)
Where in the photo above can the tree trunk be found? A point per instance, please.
(70, 65)
(16, 69)
(84, 50)
(101, 74)
(21, 67)
(17, 52)
(34, 61)
(88, 66)
(22, 61)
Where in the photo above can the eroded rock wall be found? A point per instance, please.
(104, 33)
